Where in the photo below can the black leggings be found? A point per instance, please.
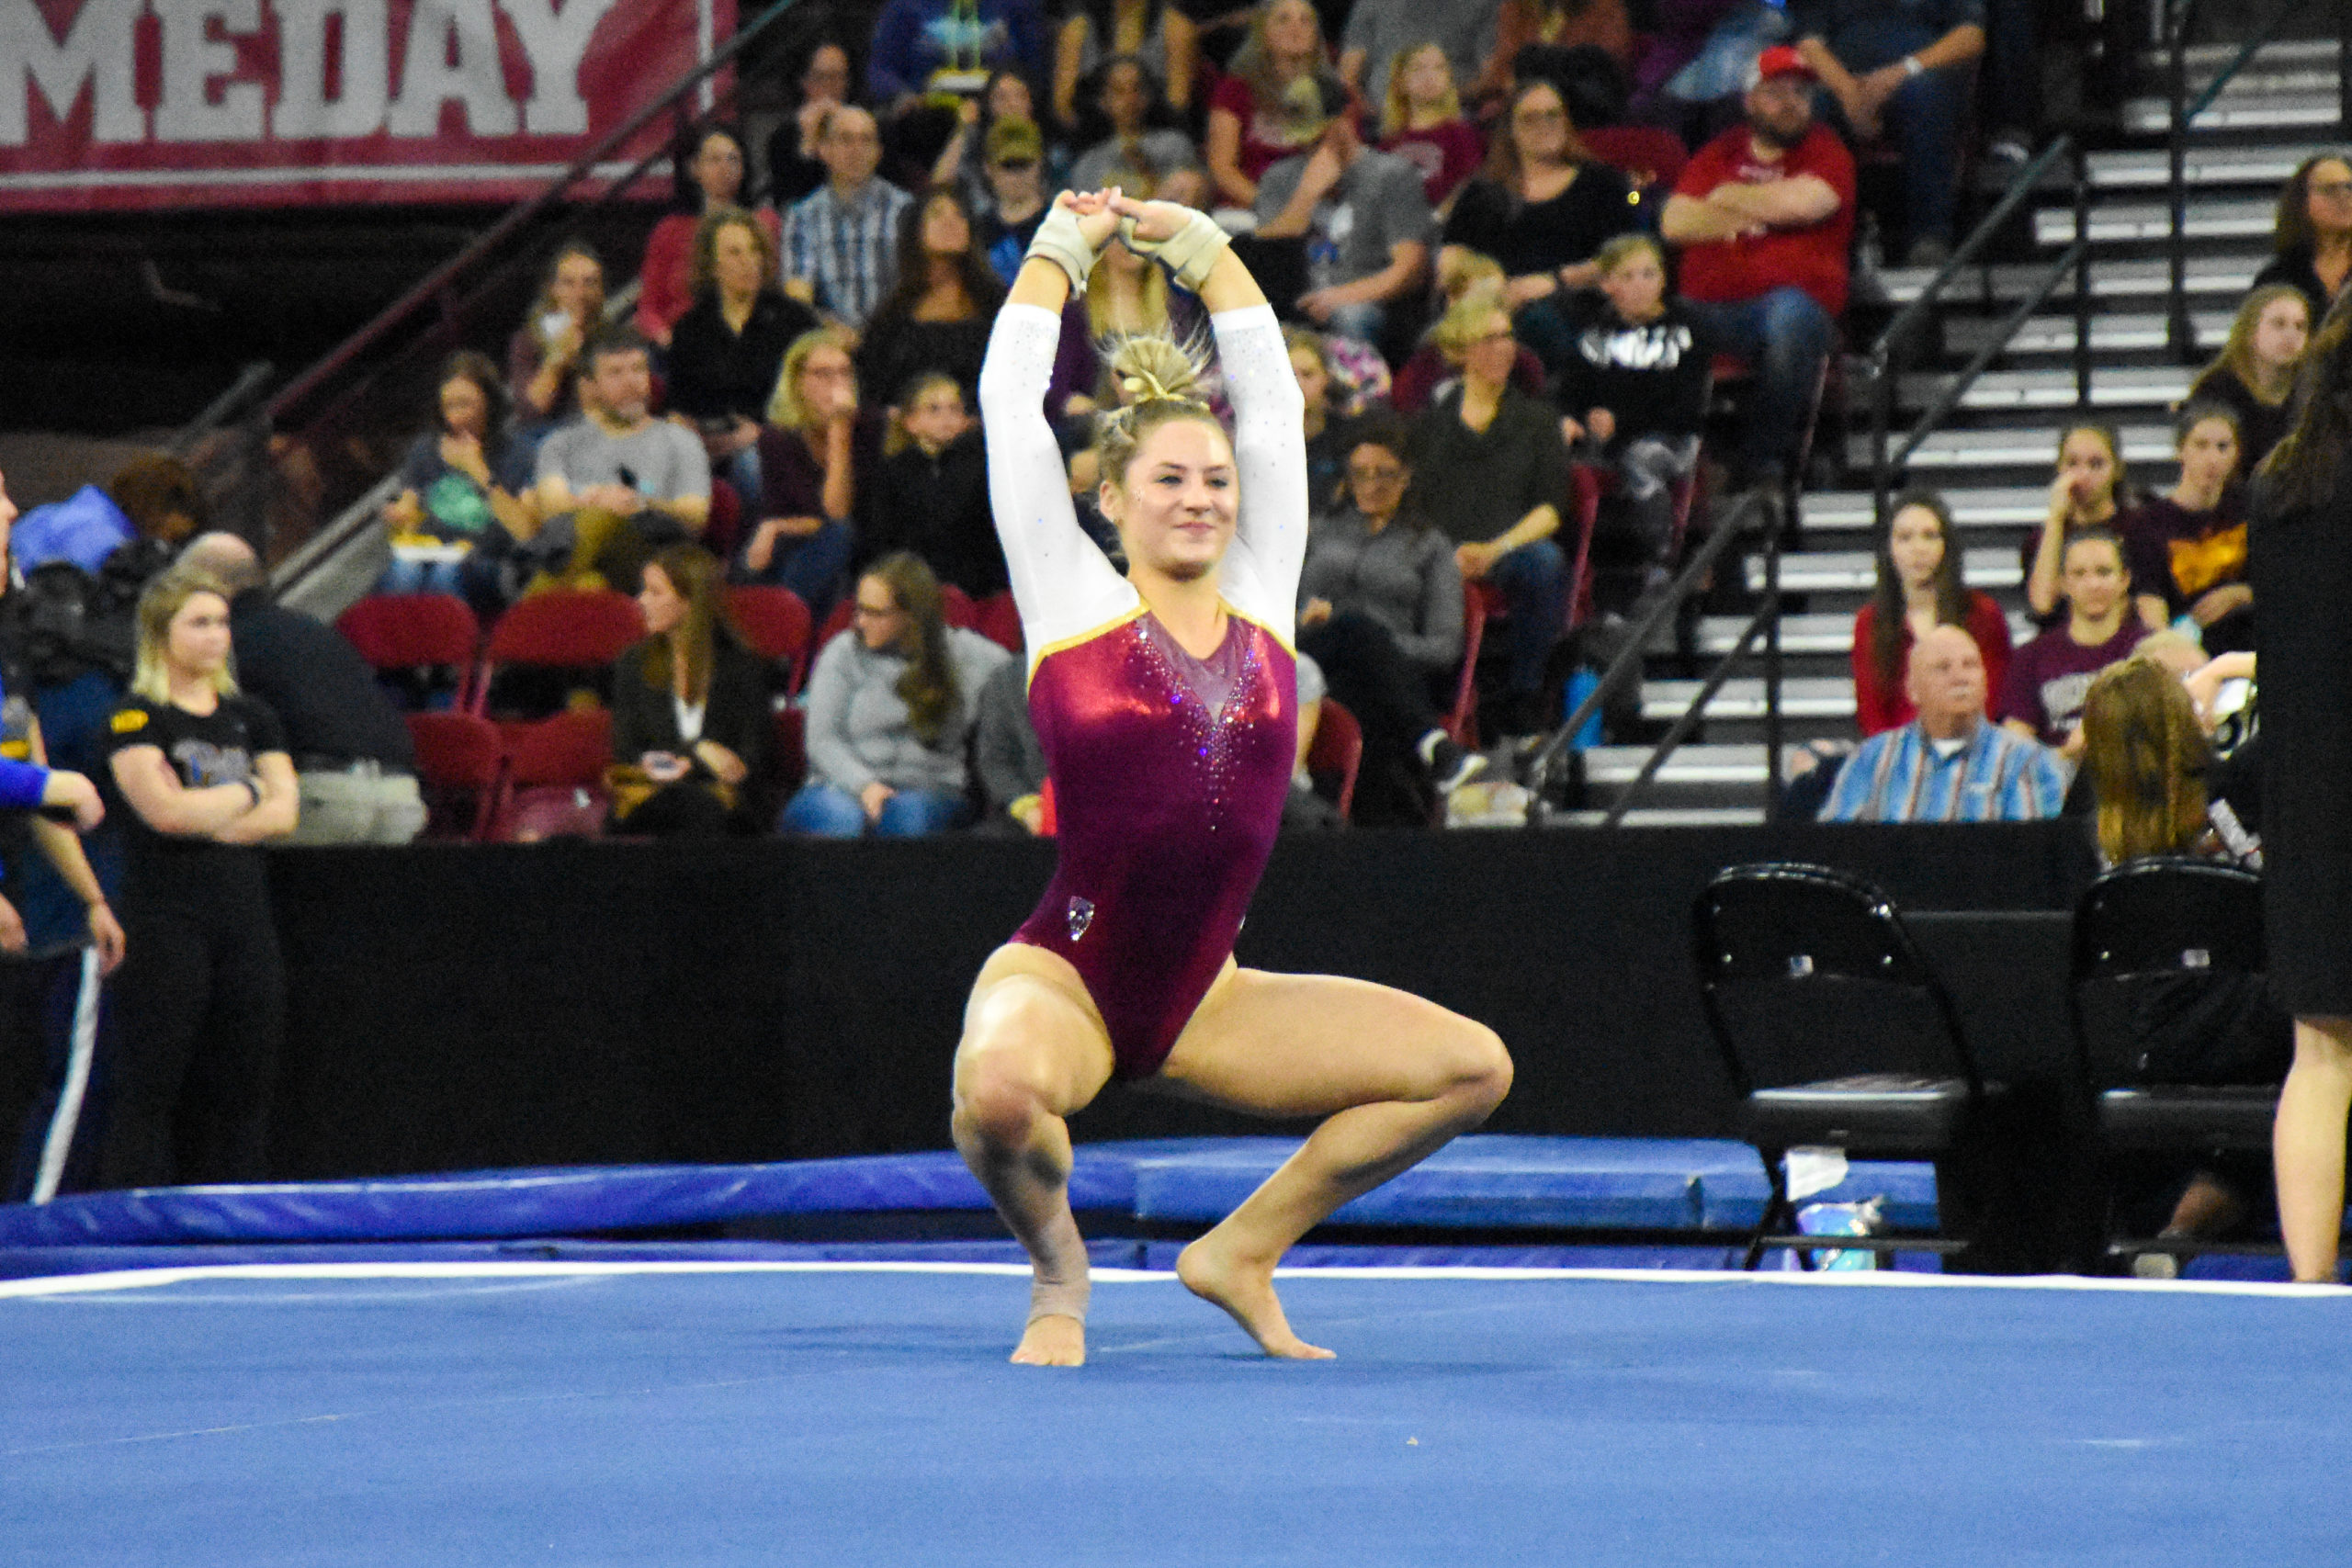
(201, 1014)
(1372, 677)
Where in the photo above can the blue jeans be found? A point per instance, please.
(1924, 120)
(1544, 328)
(1786, 336)
(1534, 578)
(811, 568)
(742, 472)
(822, 811)
(473, 577)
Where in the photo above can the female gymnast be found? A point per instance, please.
(1167, 704)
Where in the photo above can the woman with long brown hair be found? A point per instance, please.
(729, 346)
(1270, 103)
(1543, 209)
(2312, 239)
(937, 316)
(2253, 375)
(890, 705)
(2302, 572)
(690, 708)
(2090, 490)
(711, 175)
(543, 357)
(1920, 587)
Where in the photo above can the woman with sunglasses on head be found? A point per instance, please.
(1167, 700)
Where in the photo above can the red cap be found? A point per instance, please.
(1781, 59)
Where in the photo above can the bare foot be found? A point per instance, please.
(1052, 1341)
(1245, 1290)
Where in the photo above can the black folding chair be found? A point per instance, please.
(2163, 948)
(1836, 1032)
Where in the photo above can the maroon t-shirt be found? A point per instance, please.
(1812, 258)
(2049, 676)
(1446, 154)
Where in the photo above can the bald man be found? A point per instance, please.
(1951, 763)
(351, 748)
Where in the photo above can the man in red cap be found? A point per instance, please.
(1764, 215)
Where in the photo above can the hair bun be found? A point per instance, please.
(1150, 368)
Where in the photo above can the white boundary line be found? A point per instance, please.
(149, 1278)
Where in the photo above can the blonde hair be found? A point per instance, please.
(151, 676)
(1100, 326)
(2237, 355)
(2146, 756)
(1395, 109)
(1460, 270)
(1158, 378)
(896, 438)
(784, 408)
(1459, 327)
(1622, 249)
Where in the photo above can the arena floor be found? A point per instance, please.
(573, 1413)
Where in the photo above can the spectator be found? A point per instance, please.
(466, 492)
(802, 539)
(930, 493)
(1270, 102)
(616, 484)
(1421, 122)
(1636, 389)
(2091, 490)
(1380, 34)
(1701, 57)
(1017, 195)
(710, 180)
(794, 168)
(1489, 470)
(924, 48)
(2042, 696)
(1764, 215)
(1543, 209)
(690, 708)
(355, 764)
(1427, 371)
(937, 316)
(839, 241)
(1154, 34)
(2189, 544)
(1365, 224)
(159, 496)
(1920, 587)
(1949, 764)
(727, 350)
(543, 360)
(2312, 239)
(961, 161)
(1006, 754)
(1903, 60)
(891, 708)
(1380, 609)
(1326, 438)
(1125, 293)
(2253, 375)
(1141, 151)
(1557, 26)
(205, 774)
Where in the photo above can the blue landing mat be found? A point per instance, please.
(579, 1419)
(1497, 1181)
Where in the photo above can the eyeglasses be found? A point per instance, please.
(1538, 116)
(2334, 189)
(1385, 473)
(876, 612)
(1016, 165)
(1503, 335)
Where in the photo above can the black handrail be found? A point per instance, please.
(221, 410)
(1767, 615)
(1958, 386)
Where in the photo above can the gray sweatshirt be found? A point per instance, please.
(857, 722)
(1402, 577)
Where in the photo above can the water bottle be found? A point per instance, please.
(1582, 684)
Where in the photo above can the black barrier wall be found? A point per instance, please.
(457, 1008)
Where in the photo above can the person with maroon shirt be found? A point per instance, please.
(2050, 676)
(2189, 544)
(1764, 215)
(1920, 589)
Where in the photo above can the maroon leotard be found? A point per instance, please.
(1169, 770)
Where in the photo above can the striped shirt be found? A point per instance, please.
(847, 249)
(1997, 776)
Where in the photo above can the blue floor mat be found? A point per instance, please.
(546, 1415)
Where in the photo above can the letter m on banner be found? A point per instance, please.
(193, 103)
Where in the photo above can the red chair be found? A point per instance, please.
(724, 529)
(555, 777)
(1462, 722)
(1000, 621)
(1337, 751)
(1651, 156)
(836, 623)
(1587, 484)
(461, 764)
(789, 751)
(559, 631)
(416, 631)
(774, 621)
(955, 607)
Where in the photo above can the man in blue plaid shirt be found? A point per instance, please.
(840, 243)
(1950, 764)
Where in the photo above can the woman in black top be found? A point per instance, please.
(1544, 209)
(2301, 570)
(2313, 236)
(930, 493)
(202, 989)
(726, 349)
(938, 316)
(690, 706)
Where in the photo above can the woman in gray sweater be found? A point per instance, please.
(1380, 609)
(890, 708)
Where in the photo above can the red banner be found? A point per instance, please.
(198, 103)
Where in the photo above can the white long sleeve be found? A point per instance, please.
(1259, 574)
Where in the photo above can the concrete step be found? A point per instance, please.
(1669, 817)
(2023, 447)
(1742, 698)
(2154, 386)
(1836, 511)
(2226, 276)
(1811, 635)
(2279, 54)
(2117, 222)
(2203, 168)
(1614, 767)
(2136, 333)
(1986, 567)
(2296, 101)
